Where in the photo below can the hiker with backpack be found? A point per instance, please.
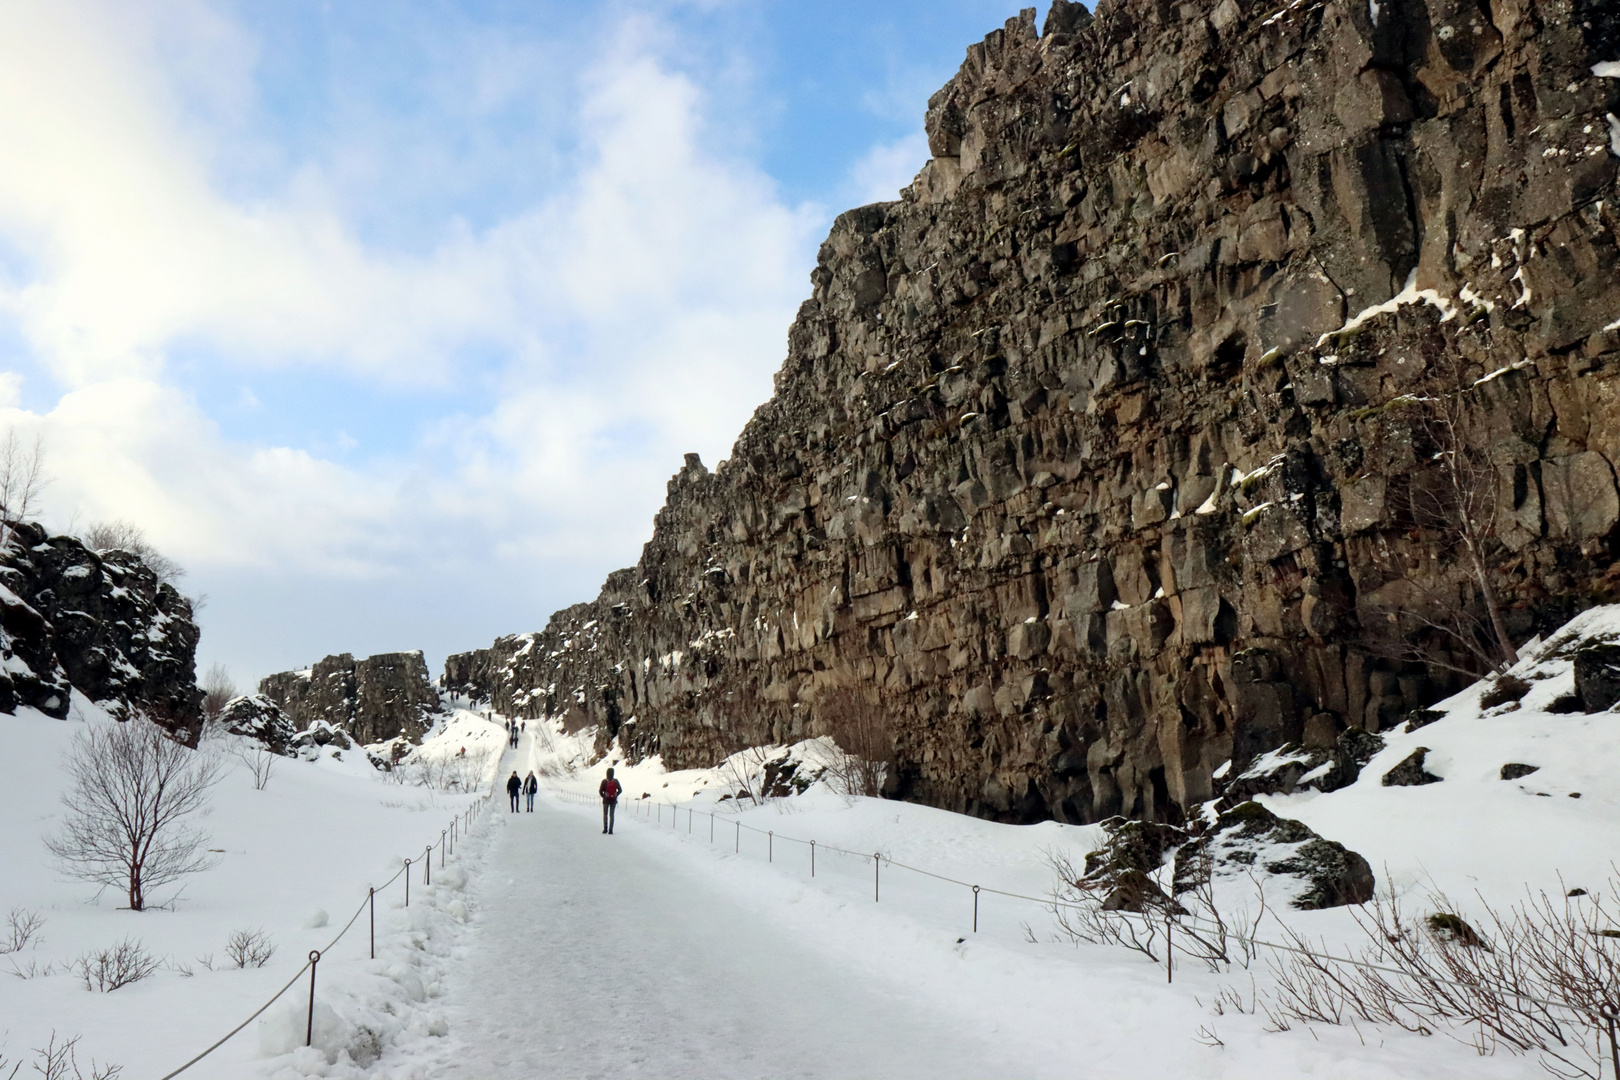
(609, 790)
(530, 786)
(513, 786)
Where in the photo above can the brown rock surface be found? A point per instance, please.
(1080, 456)
(382, 697)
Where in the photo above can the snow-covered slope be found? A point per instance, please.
(701, 882)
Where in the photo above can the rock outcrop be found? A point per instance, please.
(100, 624)
(383, 697)
(255, 716)
(1107, 453)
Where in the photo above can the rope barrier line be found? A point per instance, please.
(1054, 903)
(308, 963)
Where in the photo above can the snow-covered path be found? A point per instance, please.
(603, 956)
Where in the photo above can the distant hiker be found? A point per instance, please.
(609, 790)
(530, 787)
(523, 726)
(513, 786)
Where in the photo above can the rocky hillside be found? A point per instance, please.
(382, 697)
(1102, 456)
(100, 624)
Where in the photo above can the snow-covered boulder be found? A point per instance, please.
(255, 716)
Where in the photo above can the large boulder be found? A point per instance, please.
(255, 716)
(1250, 838)
(1597, 677)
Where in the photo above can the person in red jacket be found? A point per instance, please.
(609, 790)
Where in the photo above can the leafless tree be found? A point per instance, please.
(1456, 500)
(218, 690)
(22, 480)
(860, 728)
(123, 535)
(133, 794)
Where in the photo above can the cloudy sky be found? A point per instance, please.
(390, 321)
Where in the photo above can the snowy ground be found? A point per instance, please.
(694, 941)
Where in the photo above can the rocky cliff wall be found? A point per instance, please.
(1098, 457)
(382, 697)
(100, 624)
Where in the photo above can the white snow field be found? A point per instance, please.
(691, 945)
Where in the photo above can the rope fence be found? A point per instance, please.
(458, 827)
(653, 812)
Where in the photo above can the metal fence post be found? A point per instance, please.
(407, 883)
(738, 846)
(975, 909)
(770, 846)
(371, 901)
(427, 866)
(309, 1026)
(1169, 949)
(711, 826)
(877, 864)
(812, 858)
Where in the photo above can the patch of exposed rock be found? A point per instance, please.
(1410, 772)
(100, 624)
(377, 699)
(1099, 454)
(1247, 839)
(255, 716)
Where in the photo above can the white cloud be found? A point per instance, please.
(638, 310)
(886, 168)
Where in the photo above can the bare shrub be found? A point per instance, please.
(55, 1061)
(260, 762)
(108, 969)
(218, 690)
(458, 774)
(745, 772)
(133, 791)
(21, 926)
(250, 948)
(860, 728)
(1535, 977)
(32, 970)
(1191, 922)
(127, 536)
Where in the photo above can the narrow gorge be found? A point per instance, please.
(1098, 458)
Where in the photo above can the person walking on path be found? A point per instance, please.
(609, 790)
(531, 785)
(513, 786)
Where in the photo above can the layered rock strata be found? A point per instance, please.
(1101, 456)
(382, 697)
(100, 624)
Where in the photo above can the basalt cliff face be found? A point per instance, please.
(382, 697)
(1098, 457)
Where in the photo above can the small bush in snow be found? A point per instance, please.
(133, 791)
(260, 762)
(61, 1062)
(250, 948)
(21, 926)
(108, 969)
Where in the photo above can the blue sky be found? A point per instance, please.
(391, 321)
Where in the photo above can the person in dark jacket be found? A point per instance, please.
(513, 787)
(531, 785)
(609, 790)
